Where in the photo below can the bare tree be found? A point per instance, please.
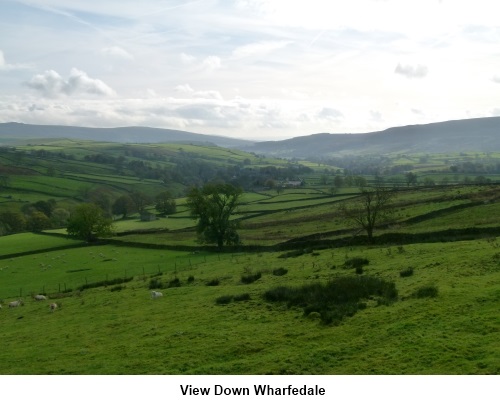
(369, 210)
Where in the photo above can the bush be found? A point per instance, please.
(250, 278)
(355, 262)
(105, 283)
(426, 292)
(359, 270)
(190, 279)
(406, 273)
(294, 253)
(213, 282)
(225, 299)
(280, 271)
(174, 283)
(155, 284)
(336, 299)
(242, 297)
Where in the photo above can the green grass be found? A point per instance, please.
(26, 242)
(186, 332)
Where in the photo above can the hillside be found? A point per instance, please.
(477, 135)
(13, 133)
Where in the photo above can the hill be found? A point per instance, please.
(478, 135)
(14, 133)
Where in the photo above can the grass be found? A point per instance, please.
(213, 317)
(186, 332)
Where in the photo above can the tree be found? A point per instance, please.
(140, 200)
(89, 222)
(213, 205)
(123, 206)
(165, 204)
(38, 221)
(372, 207)
(411, 178)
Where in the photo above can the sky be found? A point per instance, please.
(251, 69)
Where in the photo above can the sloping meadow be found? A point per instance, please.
(120, 329)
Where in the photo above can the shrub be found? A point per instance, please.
(359, 270)
(213, 282)
(242, 297)
(294, 253)
(426, 292)
(174, 283)
(250, 278)
(105, 283)
(406, 273)
(336, 299)
(280, 271)
(355, 262)
(155, 284)
(225, 299)
(190, 279)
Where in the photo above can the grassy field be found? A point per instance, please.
(123, 331)
(217, 315)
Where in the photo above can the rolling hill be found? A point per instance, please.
(477, 135)
(14, 133)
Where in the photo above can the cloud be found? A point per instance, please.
(187, 59)
(211, 63)
(9, 66)
(376, 116)
(52, 84)
(496, 79)
(412, 72)
(330, 114)
(258, 48)
(116, 52)
(188, 91)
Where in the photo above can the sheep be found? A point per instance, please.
(14, 304)
(40, 297)
(53, 306)
(156, 294)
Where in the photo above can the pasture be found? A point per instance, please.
(440, 250)
(107, 330)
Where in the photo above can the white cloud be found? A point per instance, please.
(116, 52)
(330, 114)
(496, 79)
(187, 59)
(211, 63)
(188, 91)
(412, 72)
(9, 66)
(259, 48)
(52, 84)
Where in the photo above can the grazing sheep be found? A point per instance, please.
(156, 294)
(14, 304)
(53, 307)
(40, 297)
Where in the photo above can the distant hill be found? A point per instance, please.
(471, 135)
(13, 132)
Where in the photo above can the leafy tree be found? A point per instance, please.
(213, 205)
(123, 206)
(13, 221)
(411, 178)
(165, 204)
(38, 221)
(60, 217)
(89, 222)
(372, 207)
(140, 200)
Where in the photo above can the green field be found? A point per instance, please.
(439, 249)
